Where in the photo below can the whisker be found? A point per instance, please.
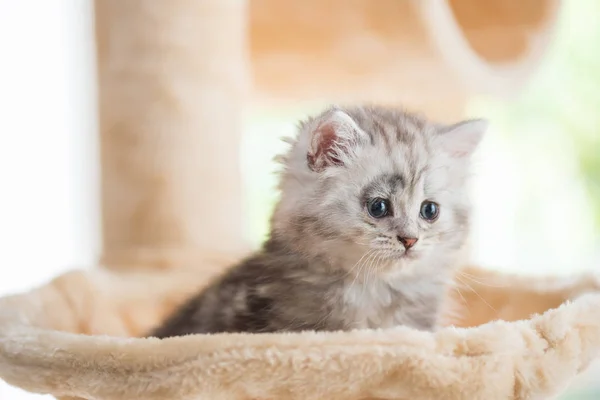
(358, 262)
(368, 271)
(463, 299)
(478, 295)
(362, 265)
(472, 276)
(472, 279)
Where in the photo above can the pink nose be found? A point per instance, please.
(407, 242)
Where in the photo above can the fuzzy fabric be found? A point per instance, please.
(72, 338)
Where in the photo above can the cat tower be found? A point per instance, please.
(173, 80)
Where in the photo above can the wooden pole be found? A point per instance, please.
(172, 78)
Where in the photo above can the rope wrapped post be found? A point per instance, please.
(172, 80)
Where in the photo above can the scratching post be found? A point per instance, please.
(172, 77)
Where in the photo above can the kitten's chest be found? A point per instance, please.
(384, 305)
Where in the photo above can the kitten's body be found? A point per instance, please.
(275, 290)
(329, 264)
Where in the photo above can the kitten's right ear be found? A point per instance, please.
(461, 140)
(334, 140)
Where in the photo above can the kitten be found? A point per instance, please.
(372, 215)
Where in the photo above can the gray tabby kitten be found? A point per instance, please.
(372, 215)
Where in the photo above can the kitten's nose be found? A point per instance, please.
(407, 242)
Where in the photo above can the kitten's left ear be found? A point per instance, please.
(461, 139)
(334, 140)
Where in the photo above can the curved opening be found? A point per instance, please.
(501, 31)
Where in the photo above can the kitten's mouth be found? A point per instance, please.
(407, 255)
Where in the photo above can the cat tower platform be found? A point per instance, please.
(174, 78)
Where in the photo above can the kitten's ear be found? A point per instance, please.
(461, 139)
(334, 140)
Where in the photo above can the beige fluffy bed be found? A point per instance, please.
(52, 341)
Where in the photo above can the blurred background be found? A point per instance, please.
(536, 184)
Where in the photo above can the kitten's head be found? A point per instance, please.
(377, 188)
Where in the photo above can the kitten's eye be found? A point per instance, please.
(429, 211)
(378, 208)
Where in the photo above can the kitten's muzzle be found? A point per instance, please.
(407, 242)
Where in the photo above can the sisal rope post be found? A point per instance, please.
(172, 81)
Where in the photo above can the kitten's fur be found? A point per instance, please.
(328, 265)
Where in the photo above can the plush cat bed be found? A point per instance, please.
(53, 340)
